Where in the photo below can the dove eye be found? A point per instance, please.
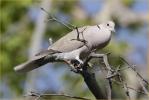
(107, 24)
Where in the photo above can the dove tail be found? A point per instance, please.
(39, 60)
(31, 64)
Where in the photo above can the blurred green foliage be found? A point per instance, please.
(128, 3)
(14, 37)
(12, 11)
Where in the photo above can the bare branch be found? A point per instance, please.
(90, 80)
(133, 68)
(119, 83)
(109, 89)
(40, 96)
(92, 84)
(140, 78)
(124, 86)
(143, 87)
(53, 18)
(110, 71)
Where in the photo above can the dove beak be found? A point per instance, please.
(113, 31)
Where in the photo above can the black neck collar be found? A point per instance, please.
(98, 26)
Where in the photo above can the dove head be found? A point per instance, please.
(109, 25)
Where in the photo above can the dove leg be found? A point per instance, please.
(78, 67)
(78, 59)
(73, 56)
(72, 67)
(75, 64)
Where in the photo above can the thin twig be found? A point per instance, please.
(64, 95)
(51, 17)
(124, 86)
(143, 87)
(140, 78)
(119, 83)
(68, 25)
(109, 90)
(133, 68)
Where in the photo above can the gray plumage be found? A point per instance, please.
(97, 37)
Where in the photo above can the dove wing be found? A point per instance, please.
(66, 44)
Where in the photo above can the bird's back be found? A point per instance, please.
(66, 43)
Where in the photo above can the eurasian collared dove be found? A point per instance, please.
(69, 48)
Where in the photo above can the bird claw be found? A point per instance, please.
(76, 70)
(77, 66)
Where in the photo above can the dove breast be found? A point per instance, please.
(97, 37)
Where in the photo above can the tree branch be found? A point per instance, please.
(119, 83)
(38, 96)
(140, 78)
(53, 18)
(90, 80)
